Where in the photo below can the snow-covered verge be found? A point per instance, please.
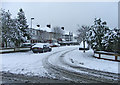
(26, 62)
(78, 58)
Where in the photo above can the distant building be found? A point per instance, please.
(68, 36)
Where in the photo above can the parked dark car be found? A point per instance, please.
(54, 45)
(41, 47)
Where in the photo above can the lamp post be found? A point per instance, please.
(31, 27)
(31, 22)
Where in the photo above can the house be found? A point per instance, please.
(49, 34)
(44, 34)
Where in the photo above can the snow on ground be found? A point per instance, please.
(31, 64)
(26, 62)
(55, 59)
(78, 58)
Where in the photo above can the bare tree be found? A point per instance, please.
(57, 32)
(82, 34)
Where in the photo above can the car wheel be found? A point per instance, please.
(40, 51)
(50, 50)
(35, 52)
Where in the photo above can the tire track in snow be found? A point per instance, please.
(90, 77)
(96, 74)
(73, 76)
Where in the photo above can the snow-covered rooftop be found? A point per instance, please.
(47, 29)
(67, 33)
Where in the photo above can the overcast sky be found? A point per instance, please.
(67, 14)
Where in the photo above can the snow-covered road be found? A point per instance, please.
(62, 60)
(57, 65)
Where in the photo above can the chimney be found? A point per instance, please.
(49, 26)
(62, 28)
(38, 25)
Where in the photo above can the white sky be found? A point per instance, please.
(67, 14)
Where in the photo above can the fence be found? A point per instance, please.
(107, 56)
(11, 50)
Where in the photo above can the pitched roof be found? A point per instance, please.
(47, 29)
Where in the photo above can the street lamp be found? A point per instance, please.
(31, 22)
(31, 27)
